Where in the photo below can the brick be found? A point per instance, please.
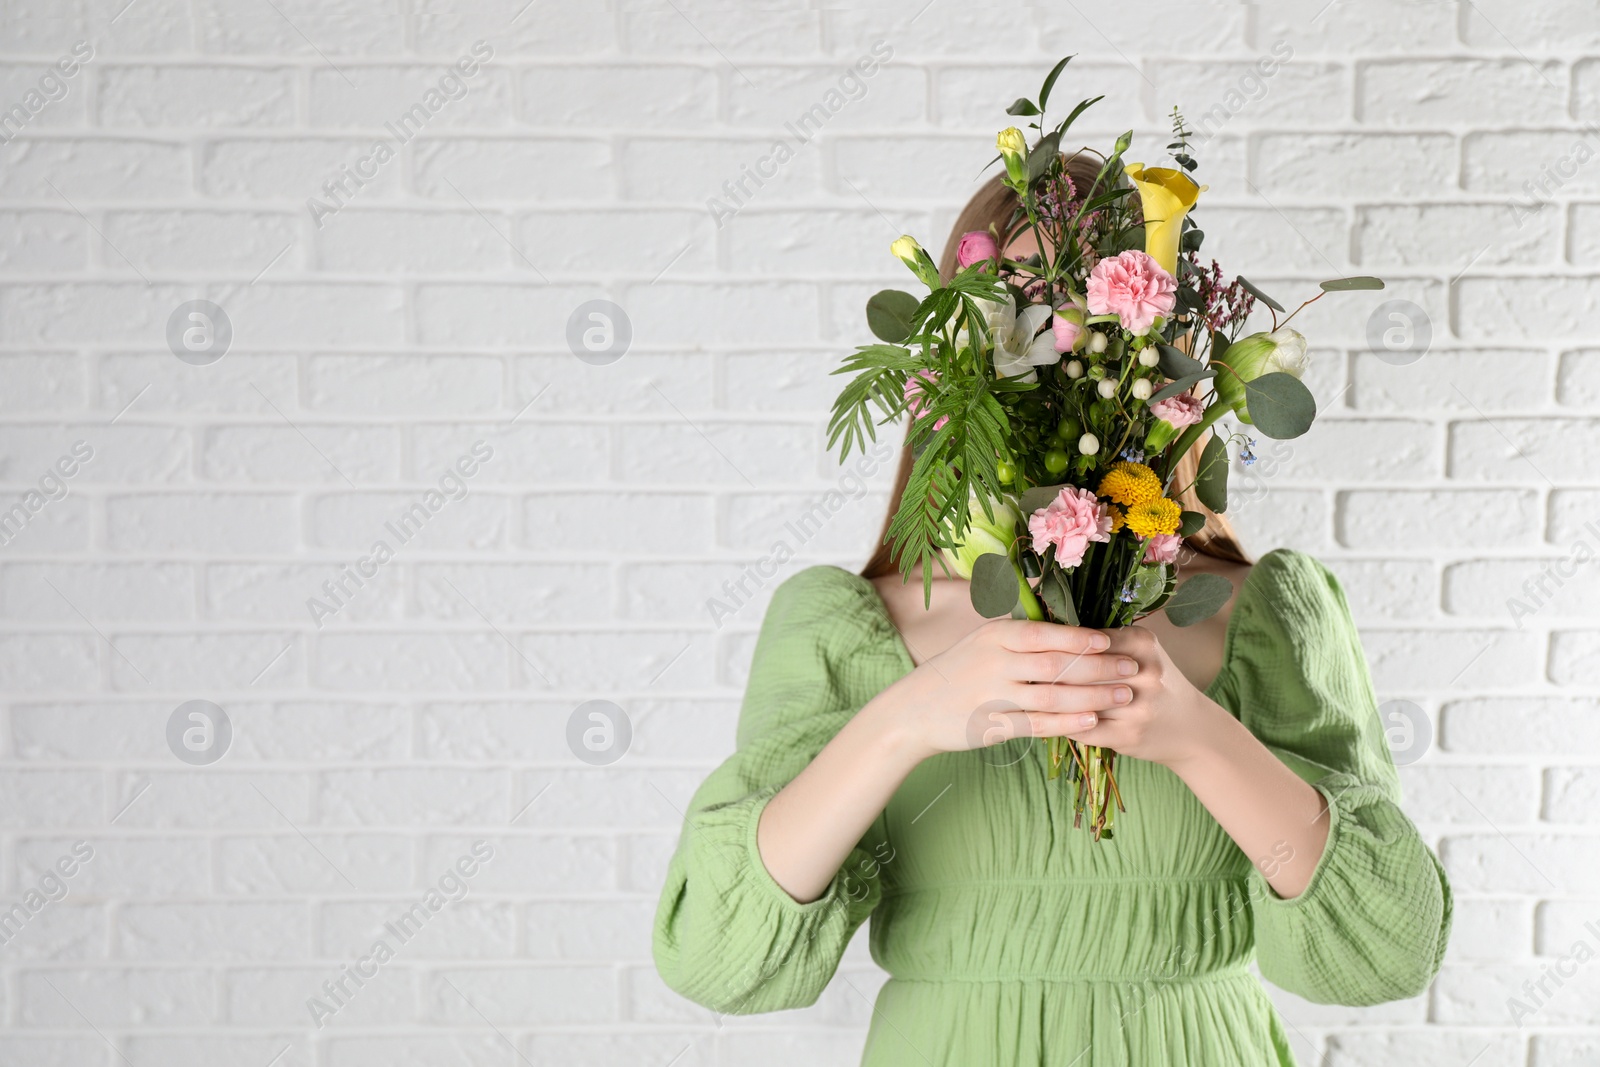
(1497, 24)
(1453, 236)
(43, 242)
(94, 168)
(300, 28)
(1386, 589)
(690, 171)
(1354, 27)
(660, 96)
(1374, 519)
(1521, 590)
(485, 171)
(361, 241)
(411, 662)
(514, 592)
(284, 864)
(201, 522)
(1418, 660)
(291, 169)
(394, 385)
(1490, 929)
(1572, 657)
(564, 383)
(190, 662)
(680, 521)
(185, 97)
(522, 994)
(152, 383)
(1371, 165)
(213, 932)
(1545, 725)
(147, 592)
(354, 522)
(1452, 380)
(1533, 167)
(124, 996)
(300, 453)
(1459, 92)
(736, 31)
(387, 98)
(750, 455)
(1521, 450)
(1517, 862)
(188, 242)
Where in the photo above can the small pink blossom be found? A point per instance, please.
(1162, 548)
(916, 387)
(1069, 523)
(975, 247)
(1068, 326)
(1133, 287)
(1180, 410)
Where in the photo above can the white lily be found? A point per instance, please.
(1018, 345)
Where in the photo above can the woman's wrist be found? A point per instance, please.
(887, 722)
(1209, 737)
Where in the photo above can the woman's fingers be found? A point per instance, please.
(1068, 699)
(1027, 636)
(1074, 668)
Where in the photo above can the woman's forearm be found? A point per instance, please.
(1278, 819)
(809, 827)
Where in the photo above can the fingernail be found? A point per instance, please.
(1126, 667)
(1099, 642)
(1088, 720)
(1122, 694)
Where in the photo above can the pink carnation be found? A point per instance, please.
(916, 385)
(1162, 548)
(1069, 523)
(1133, 287)
(975, 247)
(1180, 410)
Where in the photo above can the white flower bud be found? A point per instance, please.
(1149, 357)
(1107, 387)
(1097, 342)
(1074, 369)
(1088, 444)
(1142, 389)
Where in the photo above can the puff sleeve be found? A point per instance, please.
(1372, 924)
(726, 935)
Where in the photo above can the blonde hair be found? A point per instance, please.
(997, 206)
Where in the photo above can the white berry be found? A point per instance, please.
(1142, 389)
(1097, 342)
(1108, 387)
(1149, 357)
(1074, 369)
(1088, 444)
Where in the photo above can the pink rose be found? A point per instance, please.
(975, 247)
(915, 387)
(1133, 287)
(1162, 548)
(1180, 410)
(1068, 326)
(1069, 523)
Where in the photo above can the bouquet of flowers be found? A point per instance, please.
(1052, 397)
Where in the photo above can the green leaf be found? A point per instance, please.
(1050, 82)
(1259, 295)
(1347, 285)
(1038, 497)
(1198, 599)
(1280, 405)
(890, 314)
(1212, 484)
(1192, 239)
(1149, 583)
(1083, 106)
(1044, 153)
(1181, 385)
(1190, 522)
(1057, 596)
(1023, 106)
(1174, 364)
(994, 585)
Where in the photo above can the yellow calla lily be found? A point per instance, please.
(1166, 196)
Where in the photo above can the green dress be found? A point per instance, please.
(1009, 936)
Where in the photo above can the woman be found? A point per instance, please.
(1262, 817)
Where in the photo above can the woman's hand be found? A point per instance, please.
(1008, 678)
(1168, 720)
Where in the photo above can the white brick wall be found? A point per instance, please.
(372, 351)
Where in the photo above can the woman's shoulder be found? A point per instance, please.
(1297, 595)
(822, 593)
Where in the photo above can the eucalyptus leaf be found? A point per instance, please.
(1038, 497)
(1181, 385)
(1198, 599)
(1050, 82)
(1348, 285)
(1259, 295)
(1148, 584)
(1192, 239)
(1023, 106)
(1280, 405)
(890, 314)
(1174, 364)
(1212, 484)
(1057, 596)
(994, 585)
(1190, 522)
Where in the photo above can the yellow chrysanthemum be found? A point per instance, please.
(1130, 484)
(1158, 516)
(1118, 521)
